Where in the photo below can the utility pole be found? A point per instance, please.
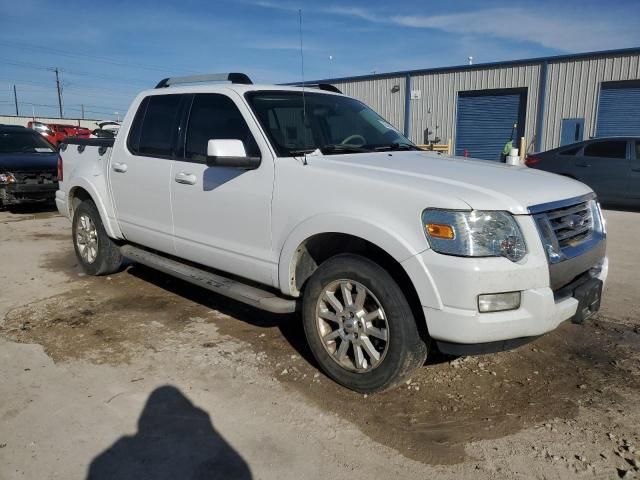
(82, 109)
(59, 90)
(15, 99)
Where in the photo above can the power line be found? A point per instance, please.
(94, 58)
(71, 88)
(74, 72)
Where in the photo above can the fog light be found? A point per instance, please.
(498, 302)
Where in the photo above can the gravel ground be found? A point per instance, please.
(139, 375)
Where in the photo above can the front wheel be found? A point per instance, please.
(359, 325)
(96, 252)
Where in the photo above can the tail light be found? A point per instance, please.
(60, 170)
(531, 160)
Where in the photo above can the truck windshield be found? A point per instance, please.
(24, 142)
(334, 124)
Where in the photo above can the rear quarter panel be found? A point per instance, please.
(86, 170)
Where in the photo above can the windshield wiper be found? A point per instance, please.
(396, 146)
(341, 148)
(302, 151)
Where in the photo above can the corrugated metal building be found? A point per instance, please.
(552, 100)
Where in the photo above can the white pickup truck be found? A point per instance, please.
(305, 200)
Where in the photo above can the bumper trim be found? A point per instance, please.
(464, 349)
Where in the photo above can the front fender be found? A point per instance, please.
(389, 241)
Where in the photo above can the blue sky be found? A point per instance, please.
(108, 51)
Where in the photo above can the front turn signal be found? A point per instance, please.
(438, 230)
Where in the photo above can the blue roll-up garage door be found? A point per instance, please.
(485, 121)
(619, 109)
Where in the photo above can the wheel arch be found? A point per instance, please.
(304, 252)
(83, 191)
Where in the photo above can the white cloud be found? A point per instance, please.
(280, 45)
(573, 32)
(570, 31)
(361, 13)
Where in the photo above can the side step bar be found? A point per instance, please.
(253, 296)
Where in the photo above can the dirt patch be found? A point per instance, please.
(451, 402)
(64, 261)
(51, 236)
(106, 320)
(446, 405)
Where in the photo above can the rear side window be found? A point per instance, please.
(571, 151)
(133, 141)
(216, 117)
(159, 126)
(610, 149)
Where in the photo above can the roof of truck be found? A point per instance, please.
(240, 88)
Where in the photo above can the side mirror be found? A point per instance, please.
(230, 153)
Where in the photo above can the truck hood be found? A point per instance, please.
(28, 162)
(483, 185)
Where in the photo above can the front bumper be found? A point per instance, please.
(449, 286)
(17, 193)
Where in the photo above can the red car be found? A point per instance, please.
(57, 132)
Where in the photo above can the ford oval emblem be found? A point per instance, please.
(576, 221)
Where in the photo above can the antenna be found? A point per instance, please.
(304, 101)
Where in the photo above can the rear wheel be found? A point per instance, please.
(97, 253)
(359, 325)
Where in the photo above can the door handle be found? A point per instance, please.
(186, 178)
(635, 169)
(120, 167)
(583, 165)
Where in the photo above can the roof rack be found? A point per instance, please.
(322, 86)
(240, 78)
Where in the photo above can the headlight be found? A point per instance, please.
(6, 178)
(474, 234)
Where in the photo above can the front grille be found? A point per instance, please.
(569, 228)
(35, 178)
(571, 225)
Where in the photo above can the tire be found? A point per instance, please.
(97, 253)
(358, 324)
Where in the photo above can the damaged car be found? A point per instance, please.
(28, 167)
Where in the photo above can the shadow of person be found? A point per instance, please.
(175, 440)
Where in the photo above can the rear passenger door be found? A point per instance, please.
(604, 166)
(222, 215)
(140, 173)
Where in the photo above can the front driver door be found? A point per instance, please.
(221, 215)
(140, 173)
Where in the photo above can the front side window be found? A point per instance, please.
(159, 127)
(24, 142)
(216, 117)
(607, 149)
(331, 123)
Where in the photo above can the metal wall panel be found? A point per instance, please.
(573, 88)
(439, 92)
(378, 95)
